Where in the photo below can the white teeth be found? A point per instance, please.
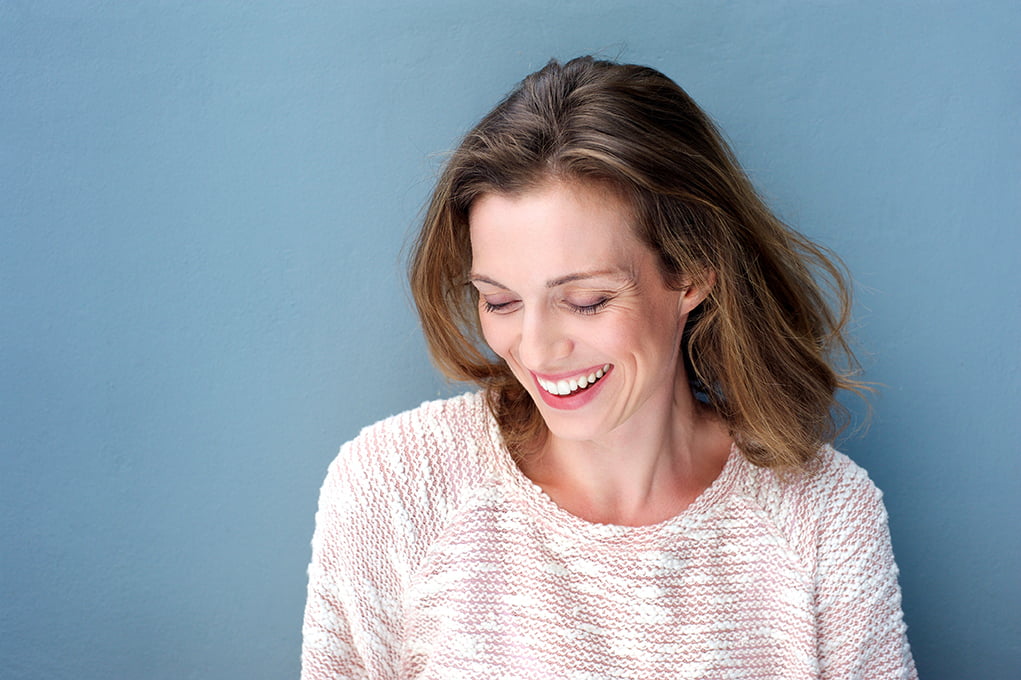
(564, 387)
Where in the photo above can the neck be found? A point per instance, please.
(644, 472)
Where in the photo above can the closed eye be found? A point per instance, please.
(496, 307)
(590, 309)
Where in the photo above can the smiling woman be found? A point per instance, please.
(643, 487)
(584, 297)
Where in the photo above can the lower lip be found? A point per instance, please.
(575, 399)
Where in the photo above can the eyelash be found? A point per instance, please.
(490, 307)
(590, 309)
(580, 309)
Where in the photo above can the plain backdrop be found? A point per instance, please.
(203, 207)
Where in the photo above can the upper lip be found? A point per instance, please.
(553, 377)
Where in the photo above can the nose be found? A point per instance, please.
(544, 342)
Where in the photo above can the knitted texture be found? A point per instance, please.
(435, 557)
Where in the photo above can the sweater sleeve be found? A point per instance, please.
(861, 629)
(353, 611)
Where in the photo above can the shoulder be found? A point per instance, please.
(831, 477)
(417, 457)
(840, 489)
(833, 515)
(391, 489)
(443, 428)
(831, 498)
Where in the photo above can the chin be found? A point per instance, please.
(571, 425)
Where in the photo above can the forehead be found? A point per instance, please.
(567, 219)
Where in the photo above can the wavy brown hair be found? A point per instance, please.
(766, 350)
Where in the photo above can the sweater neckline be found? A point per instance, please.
(538, 503)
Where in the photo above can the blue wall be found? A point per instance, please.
(202, 207)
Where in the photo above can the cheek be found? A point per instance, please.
(614, 339)
(495, 334)
(655, 330)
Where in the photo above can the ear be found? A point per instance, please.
(693, 294)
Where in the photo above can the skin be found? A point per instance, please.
(565, 287)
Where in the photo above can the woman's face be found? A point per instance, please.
(577, 307)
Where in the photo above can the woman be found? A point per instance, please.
(643, 486)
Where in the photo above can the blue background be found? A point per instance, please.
(202, 212)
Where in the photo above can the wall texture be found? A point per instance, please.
(202, 207)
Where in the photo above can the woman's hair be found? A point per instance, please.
(759, 350)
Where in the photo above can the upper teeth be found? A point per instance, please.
(564, 387)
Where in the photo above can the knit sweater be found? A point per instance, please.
(435, 557)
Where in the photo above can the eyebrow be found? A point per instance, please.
(624, 276)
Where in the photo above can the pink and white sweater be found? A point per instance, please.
(435, 557)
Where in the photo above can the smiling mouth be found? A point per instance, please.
(562, 388)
